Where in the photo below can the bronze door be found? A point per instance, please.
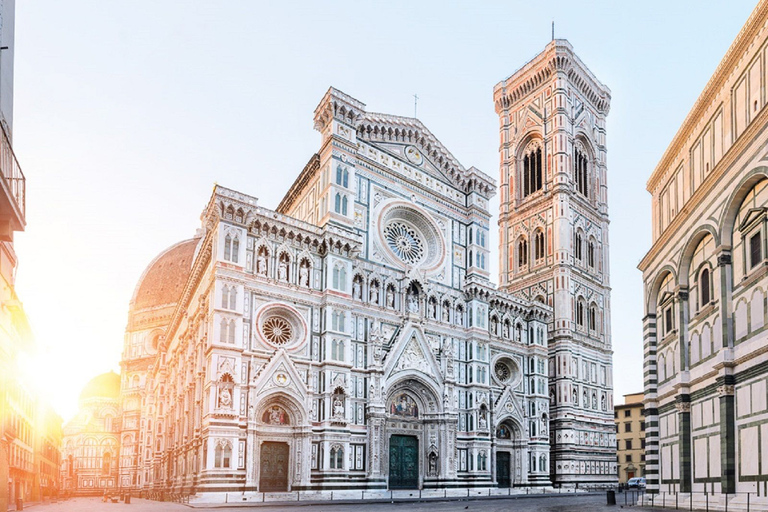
(403, 462)
(274, 467)
(503, 469)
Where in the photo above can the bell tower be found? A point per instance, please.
(553, 235)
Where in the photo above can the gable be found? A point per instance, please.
(411, 354)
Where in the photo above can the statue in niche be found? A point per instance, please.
(283, 270)
(338, 408)
(304, 274)
(602, 402)
(261, 263)
(594, 401)
(446, 312)
(390, 297)
(433, 464)
(413, 302)
(225, 398)
(373, 296)
(483, 420)
(357, 290)
(506, 330)
(432, 309)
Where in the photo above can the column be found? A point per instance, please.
(726, 390)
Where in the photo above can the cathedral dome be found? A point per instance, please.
(106, 385)
(165, 277)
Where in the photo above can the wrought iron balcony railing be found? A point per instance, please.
(13, 182)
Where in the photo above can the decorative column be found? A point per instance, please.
(651, 404)
(683, 406)
(726, 390)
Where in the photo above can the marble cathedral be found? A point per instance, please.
(352, 339)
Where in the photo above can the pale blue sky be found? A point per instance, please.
(127, 112)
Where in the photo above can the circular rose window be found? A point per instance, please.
(277, 330)
(409, 235)
(507, 372)
(280, 325)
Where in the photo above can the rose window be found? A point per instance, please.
(507, 372)
(405, 242)
(409, 236)
(277, 330)
(502, 372)
(280, 326)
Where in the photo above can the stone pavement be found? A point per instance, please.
(547, 503)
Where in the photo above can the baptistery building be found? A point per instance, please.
(706, 283)
(351, 338)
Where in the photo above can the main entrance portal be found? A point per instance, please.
(503, 469)
(274, 467)
(403, 462)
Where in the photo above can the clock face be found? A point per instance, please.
(413, 155)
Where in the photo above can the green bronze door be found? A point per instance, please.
(403, 462)
(274, 467)
(503, 469)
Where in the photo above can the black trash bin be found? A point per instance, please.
(611, 497)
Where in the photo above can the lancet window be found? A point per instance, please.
(532, 170)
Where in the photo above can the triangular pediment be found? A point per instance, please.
(411, 353)
(752, 215)
(280, 375)
(401, 164)
(508, 406)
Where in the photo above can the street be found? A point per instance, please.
(571, 503)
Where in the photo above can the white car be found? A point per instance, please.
(636, 483)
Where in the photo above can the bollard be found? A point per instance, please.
(127, 499)
(611, 497)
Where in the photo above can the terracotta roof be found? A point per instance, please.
(164, 279)
(106, 385)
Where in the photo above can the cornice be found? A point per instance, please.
(301, 182)
(755, 128)
(557, 57)
(714, 86)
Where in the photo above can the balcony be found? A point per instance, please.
(13, 193)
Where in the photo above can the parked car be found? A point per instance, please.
(636, 483)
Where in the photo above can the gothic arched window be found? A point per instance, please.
(538, 245)
(591, 254)
(337, 457)
(704, 287)
(580, 313)
(577, 246)
(532, 170)
(592, 317)
(522, 252)
(580, 168)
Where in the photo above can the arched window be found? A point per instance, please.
(592, 318)
(577, 246)
(538, 247)
(532, 170)
(337, 204)
(580, 171)
(223, 330)
(704, 287)
(344, 205)
(233, 298)
(340, 277)
(235, 249)
(227, 247)
(337, 350)
(522, 253)
(106, 463)
(223, 454)
(591, 254)
(580, 313)
(337, 457)
(225, 296)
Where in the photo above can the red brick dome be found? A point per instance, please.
(164, 279)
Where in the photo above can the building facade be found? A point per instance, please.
(630, 437)
(352, 339)
(553, 237)
(706, 280)
(89, 455)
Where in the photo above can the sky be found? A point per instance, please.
(128, 112)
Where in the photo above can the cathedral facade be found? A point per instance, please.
(351, 338)
(706, 280)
